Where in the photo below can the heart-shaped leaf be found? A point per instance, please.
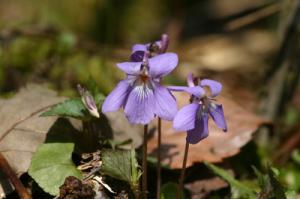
(69, 108)
(51, 164)
(121, 165)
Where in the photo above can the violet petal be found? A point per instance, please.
(164, 43)
(166, 107)
(200, 131)
(139, 47)
(137, 56)
(190, 80)
(196, 90)
(185, 118)
(216, 112)
(215, 86)
(139, 108)
(162, 64)
(130, 68)
(116, 99)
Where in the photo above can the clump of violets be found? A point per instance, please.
(142, 97)
(141, 94)
(194, 117)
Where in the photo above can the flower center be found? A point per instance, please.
(144, 77)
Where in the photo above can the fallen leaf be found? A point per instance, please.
(201, 188)
(241, 125)
(123, 130)
(21, 128)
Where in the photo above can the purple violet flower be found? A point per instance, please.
(141, 94)
(193, 118)
(155, 48)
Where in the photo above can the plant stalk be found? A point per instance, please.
(158, 159)
(144, 163)
(182, 175)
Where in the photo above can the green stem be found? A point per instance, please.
(158, 159)
(180, 188)
(144, 163)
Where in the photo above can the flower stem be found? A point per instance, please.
(158, 159)
(180, 188)
(144, 163)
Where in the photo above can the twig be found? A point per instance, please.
(180, 188)
(144, 163)
(158, 159)
(91, 173)
(9, 173)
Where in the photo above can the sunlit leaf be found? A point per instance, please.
(69, 108)
(121, 165)
(51, 164)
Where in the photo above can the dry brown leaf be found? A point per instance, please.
(200, 188)
(21, 128)
(123, 130)
(241, 125)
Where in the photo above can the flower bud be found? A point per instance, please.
(164, 43)
(88, 101)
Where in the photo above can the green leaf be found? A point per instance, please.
(262, 179)
(121, 165)
(169, 191)
(276, 186)
(69, 108)
(51, 164)
(239, 190)
(296, 156)
(291, 194)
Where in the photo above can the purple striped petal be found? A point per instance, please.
(139, 47)
(137, 56)
(185, 118)
(130, 68)
(190, 80)
(162, 64)
(199, 132)
(166, 107)
(196, 90)
(139, 108)
(116, 99)
(215, 87)
(216, 112)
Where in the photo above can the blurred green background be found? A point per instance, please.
(66, 42)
